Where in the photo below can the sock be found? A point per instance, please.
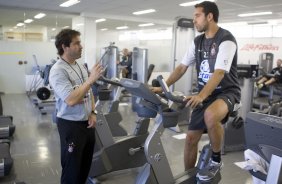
(260, 85)
(216, 157)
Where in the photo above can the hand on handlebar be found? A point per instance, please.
(156, 89)
(193, 101)
(95, 73)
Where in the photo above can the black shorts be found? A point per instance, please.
(197, 121)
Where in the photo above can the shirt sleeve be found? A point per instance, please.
(226, 52)
(273, 70)
(189, 57)
(60, 83)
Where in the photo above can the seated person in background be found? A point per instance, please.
(126, 61)
(276, 78)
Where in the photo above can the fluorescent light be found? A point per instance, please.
(80, 24)
(122, 27)
(20, 24)
(69, 3)
(65, 27)
(192, 3)
(145, 25)
(28, 21)
(10, 29)
(53, 29)
(104, 29)
(100, 20)
(233, 24)
(144, 11)
(15, 27)
(254, 14)
(39, 15)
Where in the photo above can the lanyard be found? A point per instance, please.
(80, 77)
(85, 99)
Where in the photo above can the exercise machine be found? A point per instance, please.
(114, 154)
(110, 116)
(139, 69)
(7, 128)
(263, 136)
(44, 98)
(6, 161)
(183, 36)
(157, 169)
(265, 63)
(109, 95)
(234, 137)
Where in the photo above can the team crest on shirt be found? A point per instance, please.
(213, 49)
(71, 147)
(204, 73)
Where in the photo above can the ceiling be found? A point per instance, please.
(119, 12)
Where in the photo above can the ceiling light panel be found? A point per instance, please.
(79, 24)
(144, 12)
(100, 20)
(20, 24)
(192, 3)
(254, 14)
(122, 27)
(69, 3)
(28, 21)
(146, 25)
(39, 15)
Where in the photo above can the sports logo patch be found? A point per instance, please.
(71, 147)
(204, 73)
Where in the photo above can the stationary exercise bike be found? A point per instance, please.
(263, 136)
(157, 169)
(112, 153)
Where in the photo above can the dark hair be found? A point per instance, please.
(209, 7)
(65, 37)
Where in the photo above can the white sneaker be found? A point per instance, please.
(210, 171)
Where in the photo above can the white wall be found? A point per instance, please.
(12, 75)
(249, 49)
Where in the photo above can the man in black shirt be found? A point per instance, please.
(276, 76)
(215, 55)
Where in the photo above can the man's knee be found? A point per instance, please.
(210, 118)
(192, 139)
(215, 113)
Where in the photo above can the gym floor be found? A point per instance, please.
(36, 151)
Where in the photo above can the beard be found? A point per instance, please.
(202, 28)
(76, 55)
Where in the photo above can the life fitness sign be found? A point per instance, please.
(260, 47)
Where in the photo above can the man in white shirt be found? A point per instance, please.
(215, 55)
(75, 107)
